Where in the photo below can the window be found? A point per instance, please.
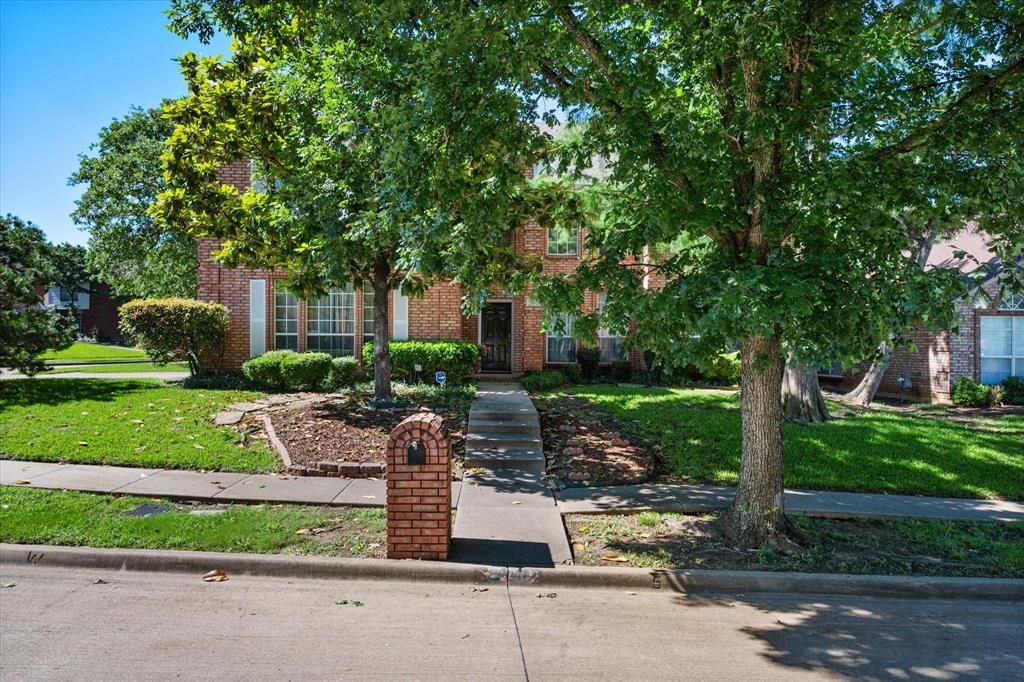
(331, 322)
(561, 346)
(368, 298)
(1002, 347)
(1012, 302)
(506, 238)
(611, 345)
(563, 242)
(286, 319)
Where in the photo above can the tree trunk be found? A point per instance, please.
(802, 401)
(381, 355)
(868, 386)
(757, 514)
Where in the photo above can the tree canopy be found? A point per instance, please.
(128, 249)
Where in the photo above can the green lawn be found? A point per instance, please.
(147, 367)
(698, 432)
(72, 518)
(92, 352)
(139, 422)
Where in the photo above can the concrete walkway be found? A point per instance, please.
(705, 498)
(212, 487)
(507, 515)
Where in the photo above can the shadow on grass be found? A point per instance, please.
(28, 392)
(700, 436)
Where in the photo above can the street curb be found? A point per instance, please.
(679, 581)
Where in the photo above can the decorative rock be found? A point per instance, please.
(572, 452)
(247, 407)
(579, 476)
(621, 442)
(228, 418)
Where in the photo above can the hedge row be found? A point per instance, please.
(969, 393)
(288, 370)
(457, 359)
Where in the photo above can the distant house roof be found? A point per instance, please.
(971, 241)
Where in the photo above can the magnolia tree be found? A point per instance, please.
(766, 141)
(326, 124)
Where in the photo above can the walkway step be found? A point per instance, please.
(498, 439)
(529, 459)
(513, 425)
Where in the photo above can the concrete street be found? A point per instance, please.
(59, 623)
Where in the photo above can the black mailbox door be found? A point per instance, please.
(496, 337)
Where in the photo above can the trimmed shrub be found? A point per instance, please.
(343, 372)
(969, 393)
(1013, 391)
(570, 371)
(265, 371)
(588, 358)
(543, 381)
(306, 371)
(170, 329)
(725, 369)
(622, 370)
(457, 359)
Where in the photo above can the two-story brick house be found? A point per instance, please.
(264, 316)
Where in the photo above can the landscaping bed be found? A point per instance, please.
(907, 547)
(137, 422)
(55, 517)
(928, 451)
(335, 436)
(584, 445)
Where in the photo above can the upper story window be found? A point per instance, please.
(563, 241)
(286, 319)
(1012, 302)
(331, 322)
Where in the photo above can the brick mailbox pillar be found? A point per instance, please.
(419, 478)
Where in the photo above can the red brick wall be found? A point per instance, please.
(419, 499)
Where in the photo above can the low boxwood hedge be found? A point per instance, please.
(306, 371)
(457, 359)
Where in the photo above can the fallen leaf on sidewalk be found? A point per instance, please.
(549, 595)
(480, 589)
(99, 581)
(22, 481)
(215, 576)
(370, 497)
(6, 585)
(283, 477)
(618, 558)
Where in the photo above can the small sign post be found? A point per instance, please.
(440, 377)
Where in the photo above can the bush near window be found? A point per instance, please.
(343, 373)
(457, 359)
(725, 369)
(170, 329)
(622, 370)
(265, 371)
(306, 371)
(543, 381)
(588, 358)
(1013, 391)
(969, 393)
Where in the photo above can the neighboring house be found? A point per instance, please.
(988, 345)
(95, 310)
(264, 316)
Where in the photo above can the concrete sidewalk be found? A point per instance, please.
(705, 498)
(214, 486)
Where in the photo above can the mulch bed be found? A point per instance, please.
(350, 431)
(586, 446)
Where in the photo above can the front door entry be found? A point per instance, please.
(496, 337)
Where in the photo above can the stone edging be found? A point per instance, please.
(335, 469)
(679, 581)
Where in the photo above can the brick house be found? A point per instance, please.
(264, 316)
(988, 345)
(95, 309)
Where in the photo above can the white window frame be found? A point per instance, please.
(286, 317)
(1012, 301)
(563, 242)
(569, 320)
(257, 317)
(1015, 324)
(366, 323)
(331, 318)
(609, 343)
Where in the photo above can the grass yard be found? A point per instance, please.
(81, 351)
(146, 367)
(906, 547)
(139, 422)
(71, 518)
(698, 434)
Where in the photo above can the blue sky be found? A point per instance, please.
(67, 69)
